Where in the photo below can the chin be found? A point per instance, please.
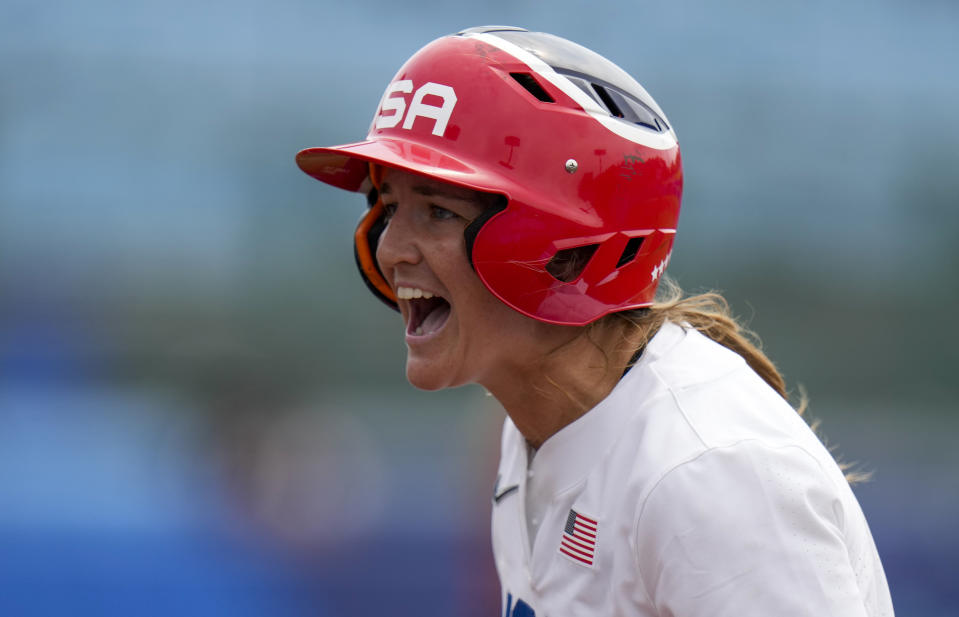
(428, 378)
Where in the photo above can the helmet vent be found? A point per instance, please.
(567, 264)
(618, 103)
(630, 252)
(532, 86)
(608, 101)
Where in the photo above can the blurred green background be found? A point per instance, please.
(202, 409)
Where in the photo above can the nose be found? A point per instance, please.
(397, 243)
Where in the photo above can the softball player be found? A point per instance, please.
(524, 193)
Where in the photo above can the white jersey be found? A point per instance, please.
(692, 490)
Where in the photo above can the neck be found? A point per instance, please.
(543, 397)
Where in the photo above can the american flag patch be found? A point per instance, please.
(579, 538)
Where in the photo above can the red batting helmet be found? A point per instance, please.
(584, 157)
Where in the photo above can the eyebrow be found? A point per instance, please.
(432, 191)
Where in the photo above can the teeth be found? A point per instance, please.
(409, 293)
(419, 331)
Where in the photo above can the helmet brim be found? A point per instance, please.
(347, 166)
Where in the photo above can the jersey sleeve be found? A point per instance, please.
(747, 530)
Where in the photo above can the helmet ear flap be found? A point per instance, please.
(365, 241)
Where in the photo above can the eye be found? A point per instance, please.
(442, 214)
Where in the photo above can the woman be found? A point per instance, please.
(524, 193)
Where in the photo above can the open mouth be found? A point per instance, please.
(428, 313)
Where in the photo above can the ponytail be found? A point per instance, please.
(708, 313)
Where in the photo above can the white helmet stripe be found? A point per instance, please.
(626, 130)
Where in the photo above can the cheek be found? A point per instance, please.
(477, 296)
(475, 306)
(490, 318)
